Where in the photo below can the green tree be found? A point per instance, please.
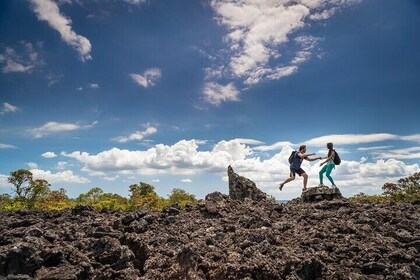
(144, 195)
(181, 197)
(91, 197)
(21, 179)
(38, 190)
(58, 200)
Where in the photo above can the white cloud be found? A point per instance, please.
(7, 146)
(249, 141)
(325, 14)
(186, 181)
(49, 155)
(111, 178)
(155, 180)
(364, 149)
(59, 177)
(3, 181)
(32, 165)
(149, 77)
(216, 94)
(23, 62)
(136, 136)
(257, 30)
(414, 138)
(48, 10)
(407, 153)
(53, 127)
(276, 146)
(8, 108)
(345, 139)
(61, 165)
(93, 85)
(135, 2)
(184, 158)
(56, 127)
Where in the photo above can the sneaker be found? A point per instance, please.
(281, 186)
(321, 185)
(334, 187)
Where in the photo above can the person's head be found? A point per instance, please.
(330, 146)
(302, 148)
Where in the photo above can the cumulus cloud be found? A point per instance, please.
(60, 177)
(215, 93)
(148, 78)
(184, 158)
(56, 127)
(259, 30)
(49, 155)
(136, 136)
(48, 10)
(7, 146)
(24, 61)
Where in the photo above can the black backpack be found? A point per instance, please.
(292, 156)
(337, 159)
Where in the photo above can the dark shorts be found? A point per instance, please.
(299, 171)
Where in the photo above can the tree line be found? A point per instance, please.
(35, 194)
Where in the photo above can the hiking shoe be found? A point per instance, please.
(281, 186)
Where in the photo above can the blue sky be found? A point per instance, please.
(114, 92)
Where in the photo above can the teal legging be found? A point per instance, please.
(327, 168)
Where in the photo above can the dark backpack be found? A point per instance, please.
(337, 159)
(292, 156)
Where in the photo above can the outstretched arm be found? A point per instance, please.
(304, 156)
(313, 159)
(328, 158)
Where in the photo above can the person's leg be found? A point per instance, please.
(305, 180)
(321, 174)
(291, 178)
(288, 180)
(330, 167)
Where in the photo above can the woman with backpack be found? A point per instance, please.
(330, 162)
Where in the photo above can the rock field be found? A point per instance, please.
(245, 237)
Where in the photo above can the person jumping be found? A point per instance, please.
(298, 158)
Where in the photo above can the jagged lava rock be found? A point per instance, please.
(219, 238)
(241, 187)
(320, 193)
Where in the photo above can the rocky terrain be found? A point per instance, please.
(240, 236)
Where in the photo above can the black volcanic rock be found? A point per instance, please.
(320, 193)
(221, 237)
(241, 187)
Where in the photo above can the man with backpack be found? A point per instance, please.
(295, 160)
